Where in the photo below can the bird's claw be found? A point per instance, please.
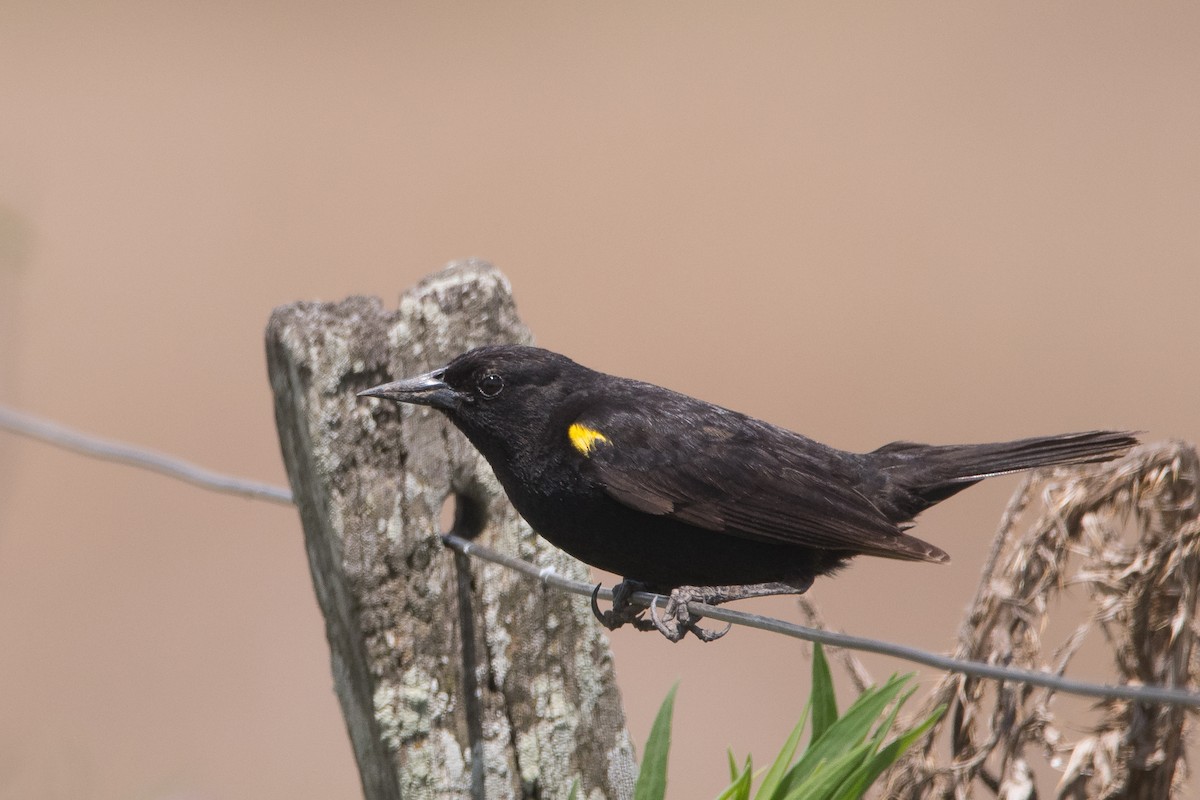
(621, 613)
(679, 620)
(596, 612)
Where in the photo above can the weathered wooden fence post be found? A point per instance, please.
(456, 678)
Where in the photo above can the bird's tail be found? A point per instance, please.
(919, 475)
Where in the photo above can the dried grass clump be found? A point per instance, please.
(1142, 590)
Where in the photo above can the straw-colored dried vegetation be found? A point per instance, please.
(1121, 541)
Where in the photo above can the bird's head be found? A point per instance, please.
(489, 389)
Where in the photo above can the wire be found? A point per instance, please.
(60, 436)
(1145, 694)
(84, 444)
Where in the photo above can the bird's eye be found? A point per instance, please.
(490, 385)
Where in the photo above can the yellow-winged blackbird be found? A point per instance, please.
(682, 496)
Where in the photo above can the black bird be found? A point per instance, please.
(684, 497)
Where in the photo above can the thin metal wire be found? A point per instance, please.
(58, 435)
(1145, 694)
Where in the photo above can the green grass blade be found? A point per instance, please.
(858, 783)
(574, 793)
(773, 778)
(652, 778)
(824, 782)
(733, 770)
(893, 684)
(847, 732)
(740, 788)
(884, 728)
(823, 698)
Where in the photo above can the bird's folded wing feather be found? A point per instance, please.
(739, 476)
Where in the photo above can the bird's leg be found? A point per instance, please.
(677, 620)
(622, 611)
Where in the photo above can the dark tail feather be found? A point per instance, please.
(919, 475)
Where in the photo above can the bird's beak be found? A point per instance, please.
(427, 390)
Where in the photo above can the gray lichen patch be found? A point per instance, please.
(412, 708)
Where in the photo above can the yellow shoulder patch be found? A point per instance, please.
(584, 439)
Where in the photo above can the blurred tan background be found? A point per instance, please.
(940, 222)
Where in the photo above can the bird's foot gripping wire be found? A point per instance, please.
(677, 620)
(622, 611)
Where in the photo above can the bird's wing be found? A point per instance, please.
(736, 475)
